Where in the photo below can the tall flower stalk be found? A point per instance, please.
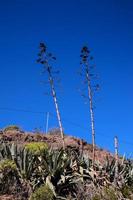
(46, 59)
(88, 76)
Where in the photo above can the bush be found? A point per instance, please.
(54, 131)
(38, 137)
(96, 197)
(42, 193)
(8, 176)
(126, 191)
(106, 193)
(6, 165)
(36, 148)
(12, 128)
(111, 194)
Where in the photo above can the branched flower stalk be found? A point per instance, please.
(46, 58)
(86, 72)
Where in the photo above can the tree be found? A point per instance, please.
(86, 72)
(46, 59)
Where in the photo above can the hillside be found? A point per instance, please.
(33, 166)
(53, 139)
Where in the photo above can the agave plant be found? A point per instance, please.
(125, 173)
(62, 171)
(19, 155)
(26, 162)
(55, 164)
(65, 170)
(6, 151)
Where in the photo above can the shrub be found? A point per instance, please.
(38, 137)
(111, 194)
(12, 128)
(42, 193)
(8, 176)
(96, 197)
(6, 165)
(54, 131)
(126, 191)
(36, 148)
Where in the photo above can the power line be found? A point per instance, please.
(64, 119)
(86, 129)
(23, 110)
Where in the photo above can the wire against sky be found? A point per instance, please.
(64, 119)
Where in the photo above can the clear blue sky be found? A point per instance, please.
(65, 25)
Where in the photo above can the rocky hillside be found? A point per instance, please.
(53, 140)
(33, 166)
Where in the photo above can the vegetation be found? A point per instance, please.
(12, 128)
(42, 173)
(43, 193)
(46, 59)
(36, 148)
(6, 165)
(33, 171)
(54, 131)
(91, 87)
(8, 175)
(127, 191)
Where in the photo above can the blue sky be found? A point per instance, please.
(106, 27)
